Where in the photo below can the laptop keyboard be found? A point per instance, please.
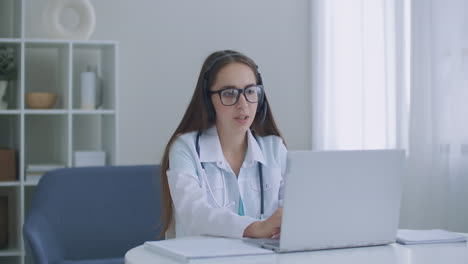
(264, 241)
(273, 243)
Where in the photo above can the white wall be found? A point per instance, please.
(162, 47)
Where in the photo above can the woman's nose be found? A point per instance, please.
(242, 101)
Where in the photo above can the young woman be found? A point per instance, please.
(223, 168)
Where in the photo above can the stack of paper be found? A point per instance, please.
(409, 237)
(35, 171)
(185, 249)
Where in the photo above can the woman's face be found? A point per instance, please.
(237, 117)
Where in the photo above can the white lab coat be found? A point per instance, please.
(206, 202)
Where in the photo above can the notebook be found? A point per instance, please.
(411, 237)
(187, 248)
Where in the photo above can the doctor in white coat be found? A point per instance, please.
(223, 168)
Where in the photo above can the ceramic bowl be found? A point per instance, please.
(40, 100)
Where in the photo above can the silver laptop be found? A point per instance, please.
(340, 199)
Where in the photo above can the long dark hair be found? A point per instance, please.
(197, 117)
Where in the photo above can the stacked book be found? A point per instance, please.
(35, 171)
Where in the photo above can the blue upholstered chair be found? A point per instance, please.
(93, 214)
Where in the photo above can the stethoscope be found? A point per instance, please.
(260, 173)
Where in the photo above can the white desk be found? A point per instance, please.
(451, 253)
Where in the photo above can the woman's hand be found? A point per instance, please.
(269, 228)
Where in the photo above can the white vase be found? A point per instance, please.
(3, 87)
(90, 90)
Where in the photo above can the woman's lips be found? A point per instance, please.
(241, 119)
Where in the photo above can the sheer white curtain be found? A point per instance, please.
(436, 191)
(361, 98)
(359, 92)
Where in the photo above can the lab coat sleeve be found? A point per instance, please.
(282, 153)
(189, 198)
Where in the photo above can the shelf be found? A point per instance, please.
(10, 40)
(46, 139)
(87, 43)
(10, 252)
(9, 183)
(10, 19)
(47, 70)
(30, 183)
(93, 112)
(101, 57)
(10, 112)
(45, 112)
(50, 135)
(95, 133)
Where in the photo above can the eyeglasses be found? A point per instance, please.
(230, 96)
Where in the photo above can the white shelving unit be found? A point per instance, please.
(52, 135)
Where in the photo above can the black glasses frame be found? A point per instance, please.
(240, 91)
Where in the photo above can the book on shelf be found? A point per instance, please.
(33, 177)
(43, 167)
(34, 172)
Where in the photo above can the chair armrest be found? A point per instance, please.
(41, 238)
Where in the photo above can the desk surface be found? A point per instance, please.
(453, 253)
